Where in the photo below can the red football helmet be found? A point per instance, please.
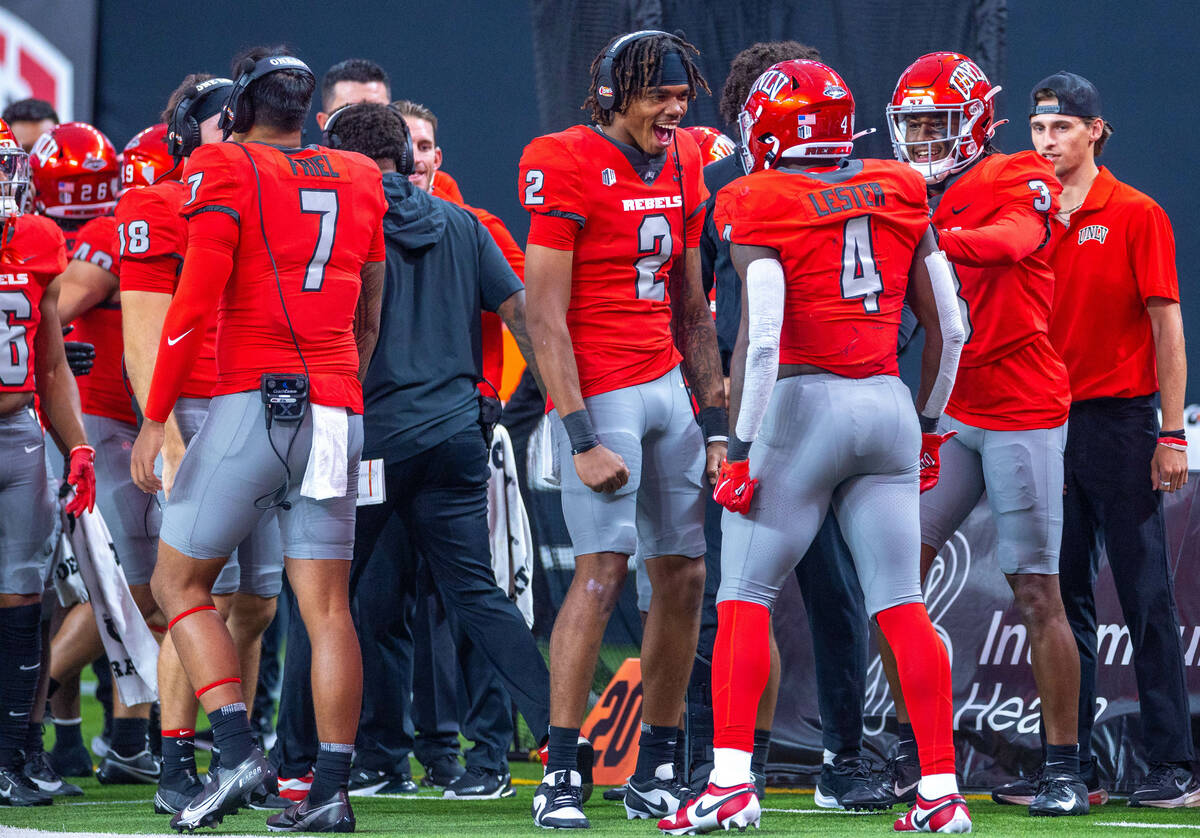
(14, 173)
(713, 144)
(951, 89)
(146, 159)
(75, 172)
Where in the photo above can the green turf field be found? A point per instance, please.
(128, 809)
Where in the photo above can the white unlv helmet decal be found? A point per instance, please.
(32, 66)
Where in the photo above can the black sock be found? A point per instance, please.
(231, 733)
(20, 665)
(68, 735)
(129, 736)
(214, 758)
(332, 771)
(564, 749)
(178, 755)
(33, 739)
(758, 759)
(1062, 759)
(906, 740)
(681, 767)
(656, 747)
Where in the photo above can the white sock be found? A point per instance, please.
(828, 758)
(937, 785)
(731, 767)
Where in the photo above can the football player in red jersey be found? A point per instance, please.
(153, 237)
(1005, 426)
(76, 176)
(828, 249)
(615, 304)
(269, 221)
(32, 360)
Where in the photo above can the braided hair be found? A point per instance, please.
(636, 69)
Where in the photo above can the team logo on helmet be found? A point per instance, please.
(770, 83)
(93, 163)
(965, 76)
(833, 91)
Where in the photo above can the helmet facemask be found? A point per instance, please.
(956, 140)
(14, 181)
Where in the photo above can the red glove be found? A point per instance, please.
(83, 478)
(930, 462)
(734, 486)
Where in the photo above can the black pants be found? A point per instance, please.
(1109, 505)
(441, 496)
(837, 619)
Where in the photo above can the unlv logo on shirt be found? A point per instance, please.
(31, 66)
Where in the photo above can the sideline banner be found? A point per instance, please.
(48, 51)
(995, 700)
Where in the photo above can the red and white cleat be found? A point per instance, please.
(943, 814)
(295, 788)
(717, 808)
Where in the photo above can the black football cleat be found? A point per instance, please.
(170, 798)
(333, 815)
(115, 769)
(850, 783)
(38, 769)
(1167, 786)
(1060, 794)
(235, 788)
(18, 790)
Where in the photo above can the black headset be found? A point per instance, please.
(404, 165)
(183, 129)
(607, 94)
(238, 114)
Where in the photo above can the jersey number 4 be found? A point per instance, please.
(860, 278)
(14, 348)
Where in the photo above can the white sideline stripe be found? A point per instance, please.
(1133, 825)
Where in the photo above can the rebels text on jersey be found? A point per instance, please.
(320, 212)
(104, 391)
(32, 253)
(996, 225)
(153, 238)
(584, 195)
(846, 242)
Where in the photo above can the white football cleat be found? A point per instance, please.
(944, 814)
(717, 808)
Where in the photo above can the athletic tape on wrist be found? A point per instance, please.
(714, 423)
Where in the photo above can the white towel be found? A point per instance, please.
(326, 474)
(508, 525)
(131, 649)
(64, 569)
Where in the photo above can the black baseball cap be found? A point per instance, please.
(1076, 96)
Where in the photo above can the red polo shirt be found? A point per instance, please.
(1117, 253)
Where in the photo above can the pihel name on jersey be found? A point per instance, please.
(104, 391)
(267, 223)
(846, 240)
(996, 225)
(32, 253)
(153, 237)
(626, 230)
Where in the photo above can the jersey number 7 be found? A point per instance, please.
(324, 203)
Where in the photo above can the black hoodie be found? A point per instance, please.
(443, 268)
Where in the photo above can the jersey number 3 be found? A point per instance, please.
(860, 279)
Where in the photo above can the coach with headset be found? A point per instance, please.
(426, 421)
(286, 243)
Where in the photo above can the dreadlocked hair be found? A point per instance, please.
(636, 68)
(751, 63)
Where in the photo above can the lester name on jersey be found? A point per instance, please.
(320, 212)
(626, 230)
(32, 254)
(996, 225)
(846, 243)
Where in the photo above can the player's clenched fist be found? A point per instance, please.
(601, 469)
(734, 486)
(931, 461)
(82, 478)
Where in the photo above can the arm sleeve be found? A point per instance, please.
(941, 278)
(1151, 245)
(765, 292)
(550, 189)
(497, 281)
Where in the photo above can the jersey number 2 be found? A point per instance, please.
(654, 240)
(322, 202)
(860, 279)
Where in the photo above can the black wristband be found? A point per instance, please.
(1179, 434)
(714, 424)
(928, 426)
(738, 449)
(580, 431)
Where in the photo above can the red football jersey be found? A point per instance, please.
(32, 254)
(996, 225)
(153, 238)
(320, 212)
(846, 241)
(585, 196)
(104, 391)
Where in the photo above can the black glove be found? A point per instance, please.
(80, 356)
